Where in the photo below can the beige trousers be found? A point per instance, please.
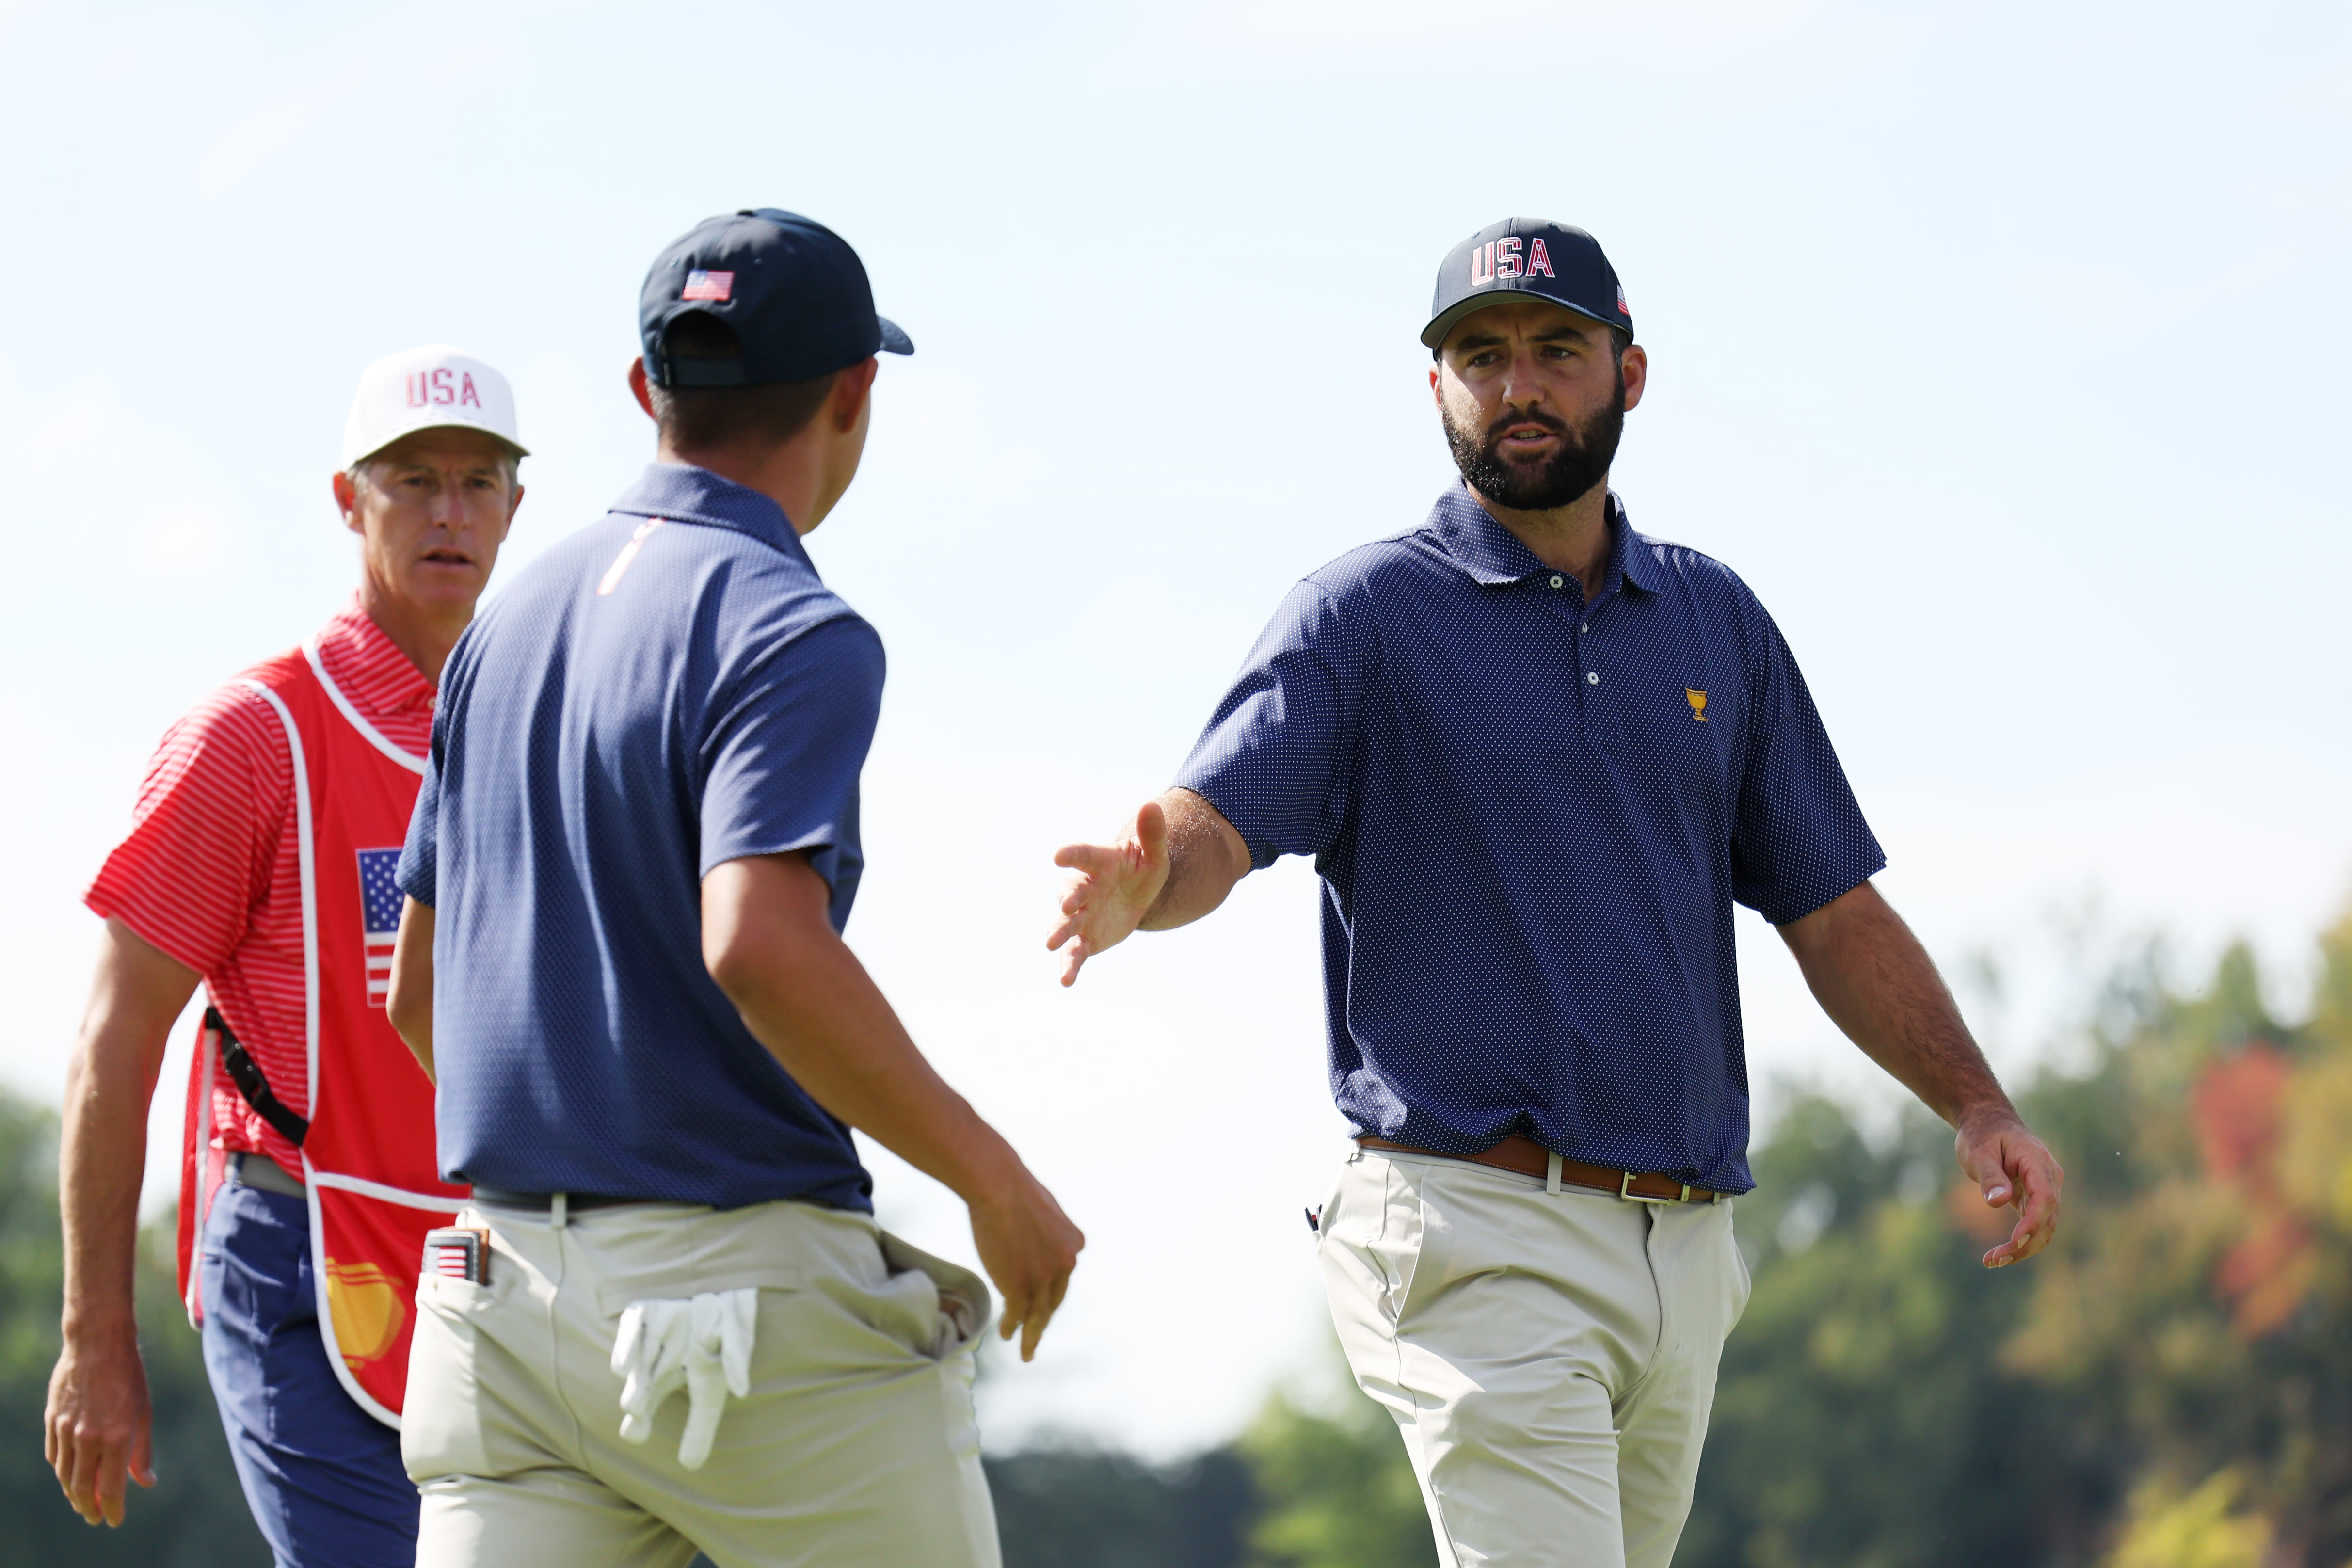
(1549, 1356)
(854, 1446)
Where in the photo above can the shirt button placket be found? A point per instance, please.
(1557, 582)
(1592, 677)
(1583, 629)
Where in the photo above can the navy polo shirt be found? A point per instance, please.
(1532, 813)
(668, 688)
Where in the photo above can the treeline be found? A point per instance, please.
(2170, 1386)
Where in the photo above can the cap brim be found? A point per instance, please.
(1442, 322)
(894, 339)
(508, 442)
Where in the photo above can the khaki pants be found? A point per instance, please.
(1549, 1356)
(855, 1445)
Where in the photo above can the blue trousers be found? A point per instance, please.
(322, 1476)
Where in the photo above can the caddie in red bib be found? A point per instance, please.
(260, 864)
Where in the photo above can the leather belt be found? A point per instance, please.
(572, 1202)
(1528, 1158)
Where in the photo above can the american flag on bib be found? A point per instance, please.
(380, 910)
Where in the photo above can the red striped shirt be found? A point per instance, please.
(211, 872)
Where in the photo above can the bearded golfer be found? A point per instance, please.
(1537, 757)
(259, 862)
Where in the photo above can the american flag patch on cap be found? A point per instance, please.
(701, 285)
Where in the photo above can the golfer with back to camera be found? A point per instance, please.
(630, 864)
(1537, 757)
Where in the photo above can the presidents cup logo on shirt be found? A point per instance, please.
(1697, 699)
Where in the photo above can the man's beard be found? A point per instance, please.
(1582, 462)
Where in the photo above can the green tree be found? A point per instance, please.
(1083, 1508)
(2199, 1323)
(1861, 1417)
(2168, 1387)
(1336, 1488)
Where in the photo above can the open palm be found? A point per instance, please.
(1115, 888)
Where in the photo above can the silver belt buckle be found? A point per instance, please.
(1625, 1191)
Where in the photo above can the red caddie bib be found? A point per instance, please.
(368, 1158)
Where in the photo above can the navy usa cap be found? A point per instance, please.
(792, 290)
(1525, 256)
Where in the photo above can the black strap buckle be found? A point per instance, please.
(254, 1084)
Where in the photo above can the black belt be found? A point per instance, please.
(542, 1202)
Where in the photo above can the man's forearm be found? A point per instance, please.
(102, 1163)
(804, 997)
(408, 999)
(136, 993)
(1206, 858)
(818, 1011)
(1878, 985)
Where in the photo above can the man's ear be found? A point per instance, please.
(1636, 366)
(851, 388)
(637, 386)
(347, 500)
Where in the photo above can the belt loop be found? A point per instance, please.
(556, 1213)
(1551, 1171)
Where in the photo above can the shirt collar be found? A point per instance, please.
(368, 666)
(684, 493)
(1493, 554)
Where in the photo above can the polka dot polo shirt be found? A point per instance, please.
(1532, 812)
(671, 688)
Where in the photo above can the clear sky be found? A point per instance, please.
(2001, 347)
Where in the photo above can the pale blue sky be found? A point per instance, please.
(2001, 348)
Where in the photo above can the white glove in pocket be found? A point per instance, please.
(703, 1345)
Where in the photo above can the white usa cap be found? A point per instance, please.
(424, 388)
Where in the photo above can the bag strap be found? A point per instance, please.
(252, 1083)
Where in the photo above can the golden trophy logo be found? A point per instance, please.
(1697, 702)
(364, 1308)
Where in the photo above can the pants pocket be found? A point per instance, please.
(1742, 1285)
(441, 1429)
(935, 1306)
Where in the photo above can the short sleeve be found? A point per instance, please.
(1799, 841)
(782, 746)
(205, 833)
(420, 856)
(1279, 755)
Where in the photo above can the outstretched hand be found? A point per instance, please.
(1116, 886)
(2013, 1169)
